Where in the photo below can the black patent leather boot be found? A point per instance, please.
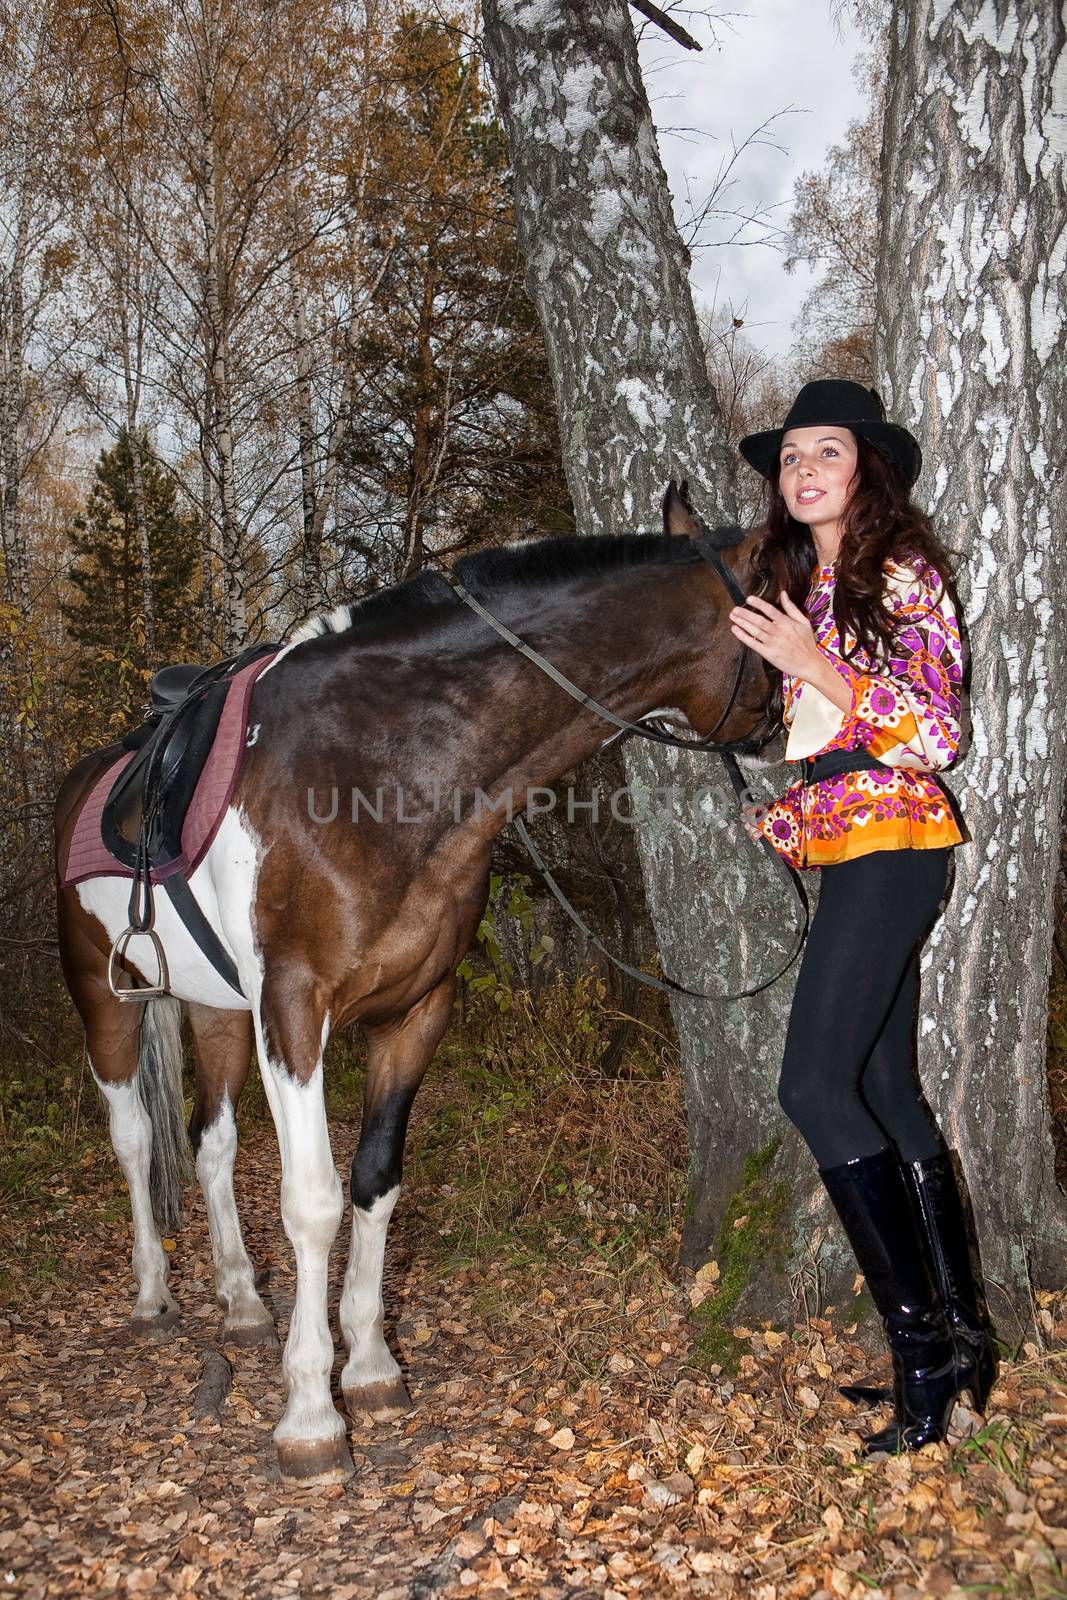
(939, 1211)
(872, 1200)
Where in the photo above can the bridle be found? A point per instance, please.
(653, 729)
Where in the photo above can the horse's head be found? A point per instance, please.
(733, 690)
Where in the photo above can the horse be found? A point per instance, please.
(357, 913)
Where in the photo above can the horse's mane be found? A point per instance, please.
(529, 564)
(534, 562)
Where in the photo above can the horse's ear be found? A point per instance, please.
(678, 515)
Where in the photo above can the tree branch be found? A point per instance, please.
(662, 20)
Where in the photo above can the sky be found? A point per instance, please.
(776, 56)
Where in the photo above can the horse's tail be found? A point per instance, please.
(159, 1077)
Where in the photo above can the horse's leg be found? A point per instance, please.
(224, 1043)
(135, 1056)
(291, 1032)
(112, 1045)
(398, 1057)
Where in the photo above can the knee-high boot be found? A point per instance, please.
(872, 1200)
(939, 1212)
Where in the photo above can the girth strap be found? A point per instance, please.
(187, 906)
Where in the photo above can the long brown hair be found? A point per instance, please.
(880, 523)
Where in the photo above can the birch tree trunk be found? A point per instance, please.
(607, 272)
(207, 539)
(128, 292)
(34, 387)
(972, 313)
(311, 540)
(420, 465)
(16, 567)
(234, 615)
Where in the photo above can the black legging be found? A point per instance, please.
(848, 1078)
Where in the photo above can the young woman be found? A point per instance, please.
(867, 644)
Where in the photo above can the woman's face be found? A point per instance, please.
(817, 466)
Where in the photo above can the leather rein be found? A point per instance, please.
(653, 729)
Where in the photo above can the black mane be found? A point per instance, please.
(531, 564)
(537, 562)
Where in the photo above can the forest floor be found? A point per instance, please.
(567, 1439)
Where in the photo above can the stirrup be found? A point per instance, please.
(118, 951)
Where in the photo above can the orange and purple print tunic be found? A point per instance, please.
(905, 711)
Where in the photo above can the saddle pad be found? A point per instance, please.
(89, 857)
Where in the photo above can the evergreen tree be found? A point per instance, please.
(106, 619)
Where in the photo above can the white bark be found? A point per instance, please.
(128, 292)
(35, 386)
(605, 264)
(311, 574)
(16, 571)
(972, 313)
(234, 613)
(606, 269)
(206, 521)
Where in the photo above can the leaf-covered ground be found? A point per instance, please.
(565, 1441)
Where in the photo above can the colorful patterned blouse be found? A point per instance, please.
(907, 716)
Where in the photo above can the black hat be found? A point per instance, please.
(838, 403)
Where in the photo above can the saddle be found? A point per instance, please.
(144, 815)
(145, 811)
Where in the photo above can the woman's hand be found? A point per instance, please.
(751, 816)
(784, 638)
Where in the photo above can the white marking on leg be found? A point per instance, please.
(362, 1307)
(312, 1203)
(131, 1137)
(312, 1198)
(234, 1277)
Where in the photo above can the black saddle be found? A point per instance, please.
(145, 811)
(170, 685)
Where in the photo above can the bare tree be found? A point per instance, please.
(228, 93)
(834, 226)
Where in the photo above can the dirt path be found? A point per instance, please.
(514, 1475)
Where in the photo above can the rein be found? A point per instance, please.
(654, 731)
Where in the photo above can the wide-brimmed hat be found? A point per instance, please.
(837, 402)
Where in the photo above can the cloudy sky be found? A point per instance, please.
(780, 63)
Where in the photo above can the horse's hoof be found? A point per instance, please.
(163, 1326)
(381, 1401)
(250, 1335)
(316, 1460)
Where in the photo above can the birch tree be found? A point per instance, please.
(607, 271)
(29, 221)
(971, 314)
(834, 227)
(971, 319)
(38, 325)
